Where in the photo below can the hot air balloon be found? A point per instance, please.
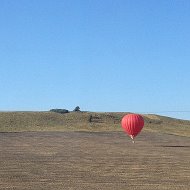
(132, 124)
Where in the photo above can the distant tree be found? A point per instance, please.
(62, 111)
(77, 108)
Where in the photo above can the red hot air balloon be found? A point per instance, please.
(132, 124)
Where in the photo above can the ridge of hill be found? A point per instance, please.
(87, 121)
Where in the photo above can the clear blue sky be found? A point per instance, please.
(109, 55)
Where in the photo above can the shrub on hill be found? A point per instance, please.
(77, 108)
(62, 111)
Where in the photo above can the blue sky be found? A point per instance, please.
(124, 55)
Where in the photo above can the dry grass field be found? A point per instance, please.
(52, 152)
(79, 121)
(86, 160)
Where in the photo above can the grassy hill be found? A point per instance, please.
(86, 121)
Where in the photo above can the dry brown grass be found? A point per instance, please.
(79, 121)
(68, 151)
(88, 160)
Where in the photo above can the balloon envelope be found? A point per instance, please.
(132, 124)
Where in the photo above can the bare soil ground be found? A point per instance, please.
(93, 160)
